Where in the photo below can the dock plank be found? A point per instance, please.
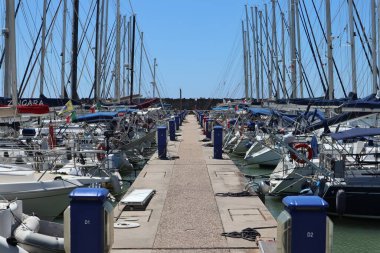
(185, 215)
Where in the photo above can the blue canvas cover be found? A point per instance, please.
(355, 133)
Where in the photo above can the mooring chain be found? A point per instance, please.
(234, 194)
(249, 234)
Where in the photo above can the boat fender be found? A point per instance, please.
(101, 156)
(302, 146)
(115, 184)
(306, 192)
(264, 187)
(340, 202)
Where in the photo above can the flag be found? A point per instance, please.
(67, 108)
(71, 117)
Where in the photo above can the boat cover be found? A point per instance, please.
(96, 117)
(355, 133)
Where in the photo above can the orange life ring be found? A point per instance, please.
(101, 156)
(302, 146)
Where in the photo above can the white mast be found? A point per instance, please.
(292, 45)
(261, 54)
(257, 54)
(374, 52)
(63, 59)
(299, 51)
(244, 33)
(249, 65)
(100, 62)
(352, 41)
(124, 58)
(43, 35)
(283, 55)
(141, 58)
(154, 77)
(329, 51)
(269, 56)
(274, 48)
(117, 55)
(105, 60)
(10, 77)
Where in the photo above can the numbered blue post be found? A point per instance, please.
(161, 142)
(218, 142)
(308, 223)
(209, 124)
(176, 117)
(172, 130)
(87, 221)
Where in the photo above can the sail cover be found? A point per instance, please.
(355, 133)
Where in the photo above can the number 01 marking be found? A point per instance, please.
(309, 234)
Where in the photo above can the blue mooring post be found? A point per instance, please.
(218, 142)
(202, 116)
(161, 142)
(307, 223)
(180, 118)
(176, 122)
(87, 220)
(172, 130)
(209, 123)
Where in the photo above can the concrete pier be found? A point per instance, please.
(185, 215)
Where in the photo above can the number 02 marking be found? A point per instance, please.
(309, 234)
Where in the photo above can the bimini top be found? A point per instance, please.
(96, 117)
(260, 111)
(355, 133)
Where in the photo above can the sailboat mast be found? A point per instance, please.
(329, 51)
(141, 58)
(105, 53)
(154, 77)
(244, 33)
(283, 55)
(97, 58)
(63, 53)
(43, 35)
(117, 55)
(10, 77)
(257, 54)
(124, 49)
(132, 55)
(299, 51)
(100, 62)
(74, 48)
(352, 42)
(374, 49)
(274, 48)
(292, 45)
(269, 57)
(248, 42)
(261, 55)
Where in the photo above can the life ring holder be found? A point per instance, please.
(302, 146)
(101, 156)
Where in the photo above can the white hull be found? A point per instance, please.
(287, 179)
(265, 156)
(47, 199)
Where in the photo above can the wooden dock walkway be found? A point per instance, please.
(185, 215)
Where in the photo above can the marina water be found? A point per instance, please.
(351, 235)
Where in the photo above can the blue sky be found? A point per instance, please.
(197, 43)
(191, 40)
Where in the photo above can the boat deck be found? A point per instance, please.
(185, 215)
